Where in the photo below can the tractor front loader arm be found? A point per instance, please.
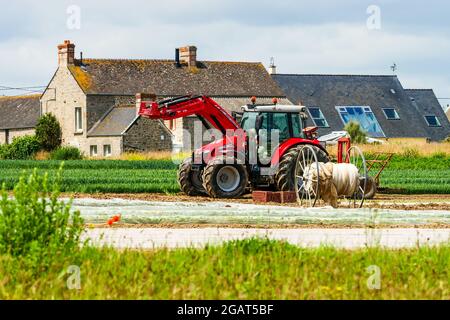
(203, 107)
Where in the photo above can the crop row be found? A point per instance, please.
(160, 175)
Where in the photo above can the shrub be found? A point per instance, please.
(66, 153)
(356, 133)
(34, 224)
(48, 132)
(22, 148)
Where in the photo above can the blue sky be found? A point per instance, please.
(303, 36)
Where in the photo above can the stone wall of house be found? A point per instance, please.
(19, 133)
(61, 98)
(115, 144)
(192, 134)
(176, 128)
(2, 136)
(14, 133)
(98, 105)
(147, 135)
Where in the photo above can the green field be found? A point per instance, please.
(249, 269)
(404, 175)
(90, 176)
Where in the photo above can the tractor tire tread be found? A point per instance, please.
(184, 179)
(210, 185)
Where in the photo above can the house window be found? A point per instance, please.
(78, 120)
(317, 117)
(391, 114)
(93, 151)
(107, 150)
(432, 121)
(364, 116)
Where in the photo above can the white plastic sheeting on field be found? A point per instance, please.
(134, 211)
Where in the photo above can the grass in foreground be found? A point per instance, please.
(249, 269)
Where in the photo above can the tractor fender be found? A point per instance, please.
(290, 143)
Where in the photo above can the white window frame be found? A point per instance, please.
(314, 119)
(366, 109)
(397, 116)
(78, 119)
(437, 120)
(91, 148)
(107, 154)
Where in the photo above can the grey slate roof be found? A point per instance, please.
(329, 91)
(114, 122)
(19, 112)
(162, 77)
(427, 104)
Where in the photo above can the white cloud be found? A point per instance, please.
(302, 40)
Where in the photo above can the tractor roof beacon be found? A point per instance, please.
(259, 146)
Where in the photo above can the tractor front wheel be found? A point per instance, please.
(285, 176)
(190, 181)
(224, 178)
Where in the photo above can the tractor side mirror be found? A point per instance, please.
(237, 116)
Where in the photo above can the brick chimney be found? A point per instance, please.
(66, 53)
(143, 97)
(188, 55)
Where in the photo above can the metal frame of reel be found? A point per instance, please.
(307, 185)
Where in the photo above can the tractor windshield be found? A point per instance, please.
(287, 124)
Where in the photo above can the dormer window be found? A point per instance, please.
(432, 121)
(391, 114)
(364, 116)
(317, 117)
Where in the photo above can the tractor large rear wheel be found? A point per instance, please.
(190, 181)
(285, 176)
(225, 179)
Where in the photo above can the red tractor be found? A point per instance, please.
(245, 156)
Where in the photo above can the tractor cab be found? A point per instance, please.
(288, 120)
(272, 125)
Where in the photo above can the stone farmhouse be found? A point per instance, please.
(95, 99)
(18, 116)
